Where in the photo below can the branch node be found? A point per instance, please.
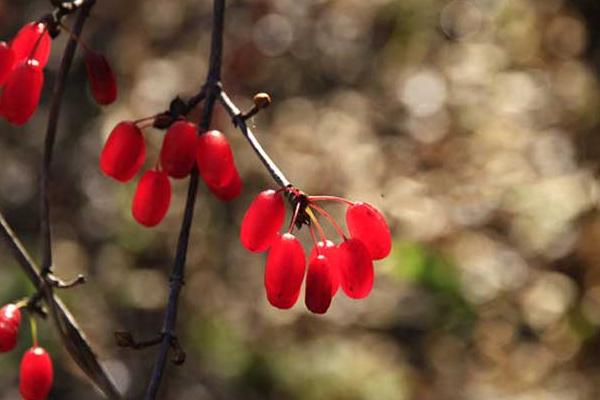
(33, 305)
(177, 107)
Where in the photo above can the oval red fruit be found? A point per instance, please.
(124, 152)
(356, 268)
(102, 80)
(215, 159)
(230, 190)
(8, 336)
(318, 285)
(284, 272)
(178, 151)
(22, 92)
(32, 36)
(367, 224)
(7, 62)
(262, 221)
(35, 378)
(11, 313)
(330, 251)
(152, 198)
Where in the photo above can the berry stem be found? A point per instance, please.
(314, 237)
(294, 217)
(145, 124)
(22, 303)
(315, 221)
(33, 326)
(138, 121)
(324, 213)
(330, 198)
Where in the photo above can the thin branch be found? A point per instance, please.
(52, 126)
(240, 122)
(19, 253)
(211, 87)
(71, 334)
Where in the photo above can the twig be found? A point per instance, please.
(53, 117)
(240, 122)
(71, 334)
(72, 337)
(211, 88)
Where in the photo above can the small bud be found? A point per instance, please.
(262, 100)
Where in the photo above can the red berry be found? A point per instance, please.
(35, 379)
(124, 152)
(152, 198)
(8, 336)
(262, 221)
(330, 251)
(101, 78)
(318, 285)
(32, 35)
(178, 151)
(7, 61)
(285, 271)
(215, 159)
(230, 190)
(11, 313)
(22, 92)
(356, 268)
(10, 319)
(367, 224)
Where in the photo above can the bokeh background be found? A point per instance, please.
(472, 124)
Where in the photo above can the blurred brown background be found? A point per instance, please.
(472, 124)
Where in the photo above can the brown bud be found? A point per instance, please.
(262, 100)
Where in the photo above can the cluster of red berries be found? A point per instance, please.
(348, 264)
(182, 148)
(22, 76)
(36, 373)
(21, 72)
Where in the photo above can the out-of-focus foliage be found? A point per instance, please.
(471, 123)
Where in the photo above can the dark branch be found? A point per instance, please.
(73, 338)
(71, 334)
(211, 91)
(19, 253)
(51, 128)
(240, 121)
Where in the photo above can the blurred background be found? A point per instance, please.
(472, 124)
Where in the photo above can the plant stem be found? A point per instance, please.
(178, 271)
(51, 128)
(71, 334)
(240, 122)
